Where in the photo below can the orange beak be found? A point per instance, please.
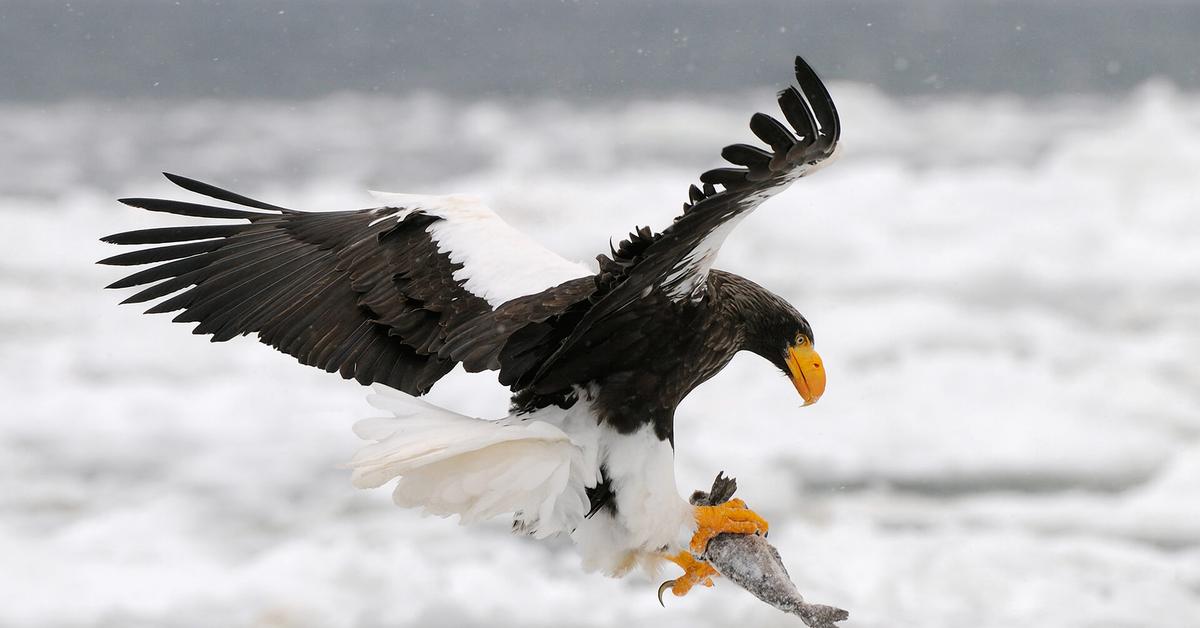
(807, 372)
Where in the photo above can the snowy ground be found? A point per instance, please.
(1006, 295)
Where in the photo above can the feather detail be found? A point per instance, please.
(498, 263)
(447, 464)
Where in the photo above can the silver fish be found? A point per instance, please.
(752, 563)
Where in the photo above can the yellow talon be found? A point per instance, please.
(694, 572)
(732, 516)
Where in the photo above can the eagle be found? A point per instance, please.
(398, 295)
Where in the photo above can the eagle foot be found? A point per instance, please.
(695, 571)
(732, 516)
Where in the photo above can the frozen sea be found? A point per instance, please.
(1006, 294)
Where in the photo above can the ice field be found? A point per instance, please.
(1006, 295)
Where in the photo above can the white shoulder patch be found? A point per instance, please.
(689, 278)
(499, 263)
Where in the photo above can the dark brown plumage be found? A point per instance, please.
(598, 360)
(373, 295)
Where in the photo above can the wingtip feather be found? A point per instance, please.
(212, 191)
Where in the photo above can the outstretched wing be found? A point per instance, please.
(373, 294)
(671, 267)
(678, 260)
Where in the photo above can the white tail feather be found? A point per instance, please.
(448, 463)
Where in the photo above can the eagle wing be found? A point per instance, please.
(678, 260)
(650, 271)
(374, 294)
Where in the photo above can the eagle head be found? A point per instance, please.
(783, 336)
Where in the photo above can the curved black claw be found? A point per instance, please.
(663, 587)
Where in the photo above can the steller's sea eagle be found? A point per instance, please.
(597, 361)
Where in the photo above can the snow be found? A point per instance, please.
(1005, 294)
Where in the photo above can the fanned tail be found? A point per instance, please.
(451, 464)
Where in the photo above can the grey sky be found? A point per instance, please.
(301, 48)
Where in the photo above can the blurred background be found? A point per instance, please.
(1002, 271)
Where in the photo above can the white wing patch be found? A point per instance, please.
(690, 276)
(499, 263)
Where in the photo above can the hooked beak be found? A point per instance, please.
(806, 371)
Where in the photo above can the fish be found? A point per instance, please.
(752, 563)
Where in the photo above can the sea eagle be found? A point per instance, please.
(597, 362)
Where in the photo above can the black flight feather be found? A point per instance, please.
(376, 299)
(799, 114)
(772, 131)
(189, 209)
(213, 191)
(729, 177)
(173, 234)
(162, 253)
(752, 157)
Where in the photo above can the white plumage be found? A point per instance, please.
(651, 515)
(400, 294)
(451, 464)
(690, 276)
(536, 467)
(499, 263)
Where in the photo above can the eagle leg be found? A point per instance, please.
(695, 571)
(729, 517)
(732, 516)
